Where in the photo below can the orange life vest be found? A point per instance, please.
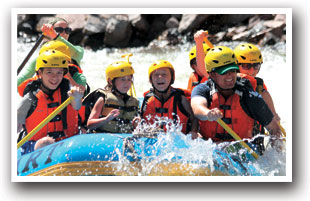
(171, 108)
(63, 125)
(194, 80)
(233, 115)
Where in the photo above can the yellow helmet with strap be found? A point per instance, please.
(56, 45)
(160, 64)
(248, 53)
(52, 59)
(220, 59)
(192, 52)
(119, 68)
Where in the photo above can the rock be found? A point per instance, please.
(268, 39)
(94, 25)
(191, 21)
(171, 35)
(235, 19)
(75, 21)
(172, 22)
(118, 32)
(139, 23)
(280, 17)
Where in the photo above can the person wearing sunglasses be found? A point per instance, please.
(249, 59)
(58, 29)
(229, 97)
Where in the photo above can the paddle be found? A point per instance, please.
(236, 137)
(45, 121)
(206, 40)
(282, 130)
(30, 53)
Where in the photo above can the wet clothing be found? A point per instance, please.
(172, 108)
(128, 107)
(76, 52)
(240, 110)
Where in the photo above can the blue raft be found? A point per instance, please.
(127, 154)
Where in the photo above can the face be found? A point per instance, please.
(123, 84)
(161, 78)
(225, 81)
(64, 25)
(249, 69)
(51, 77)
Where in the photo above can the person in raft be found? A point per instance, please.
(42, 96)
(249, 59)
(163, 100)
(195, 77)
(57, 31)
(231, 98)
(75, 76)
(114, 111)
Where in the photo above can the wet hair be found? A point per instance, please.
(57, 19)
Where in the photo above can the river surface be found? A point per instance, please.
(275, 71)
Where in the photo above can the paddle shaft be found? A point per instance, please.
(236, 137)
(206, 40)
(45, 121)
(30, 54)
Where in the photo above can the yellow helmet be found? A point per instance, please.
(161, 64)
(192, 52)
(119, 68)
(52, 59)
(220, 59)
(248, 53)
(56, 45)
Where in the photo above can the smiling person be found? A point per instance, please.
(231, 98)
(58, 30)
(42, 96)
(250, 59)
(112, 109)
(163, 100)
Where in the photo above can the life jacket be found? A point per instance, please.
(171, 108)
(128, 110)
(22, 86)
(63, 125)
(194, 80)
(260, 85)
(234, 115)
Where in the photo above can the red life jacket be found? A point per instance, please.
(233, 115)
(63, 125)
(171, 108)
(194, 80)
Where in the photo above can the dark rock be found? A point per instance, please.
(139, 23)
(118, 32)
(235, 19)
(172, 22)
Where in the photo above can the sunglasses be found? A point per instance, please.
(256, 66)
(60, 30)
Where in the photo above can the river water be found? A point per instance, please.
(275, 71)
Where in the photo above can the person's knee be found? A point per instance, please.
(44, 142)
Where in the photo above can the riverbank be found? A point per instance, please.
(97, 31)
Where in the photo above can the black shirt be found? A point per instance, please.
(251, 101)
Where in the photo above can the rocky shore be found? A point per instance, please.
(98, 31)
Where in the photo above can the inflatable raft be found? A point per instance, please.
(127, 154)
